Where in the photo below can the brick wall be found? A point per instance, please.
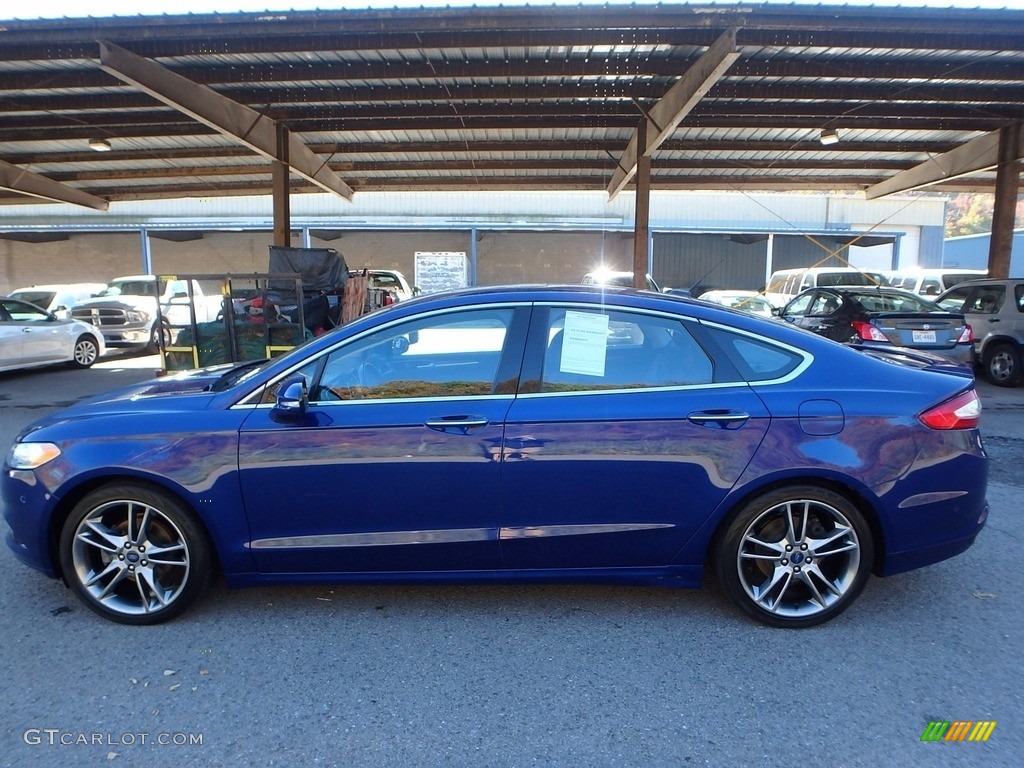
(502, 257)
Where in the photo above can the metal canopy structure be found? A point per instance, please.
(507, 97)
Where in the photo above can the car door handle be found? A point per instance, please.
(459, 424)
(720, 419)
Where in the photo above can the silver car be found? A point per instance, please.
(995, 309)
(30, 336)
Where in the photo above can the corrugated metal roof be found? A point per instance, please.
(524, 97)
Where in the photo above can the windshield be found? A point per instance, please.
(39, 298)
(850, 278)
(238, 374)
(385, 281)
(883, 301)
(130, 288)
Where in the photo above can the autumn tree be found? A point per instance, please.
(971, 214)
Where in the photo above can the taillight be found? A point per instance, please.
(867, 331)
(966, 335)
(960, 412)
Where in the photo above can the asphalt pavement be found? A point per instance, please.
(518, 675)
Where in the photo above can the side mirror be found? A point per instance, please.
(292, 400)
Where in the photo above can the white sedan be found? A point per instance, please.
(30, 336)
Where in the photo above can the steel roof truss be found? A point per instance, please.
(981, 154)
(27, 183)
(246, 125)
(663, 118)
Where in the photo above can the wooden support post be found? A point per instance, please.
(282, 191)
(1007, 184)
(642, 212)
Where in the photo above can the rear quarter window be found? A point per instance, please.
(757, 359)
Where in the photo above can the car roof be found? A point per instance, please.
(989, 281)
(873, 289)
(55, 287)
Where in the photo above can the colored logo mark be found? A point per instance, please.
(958, 730)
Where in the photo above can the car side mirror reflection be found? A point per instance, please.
(292, 400)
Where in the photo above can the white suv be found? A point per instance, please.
(995, 310)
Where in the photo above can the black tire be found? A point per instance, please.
(163, 329)
(798, 573)
(106, 554)
(1002, 365)
(86, 352)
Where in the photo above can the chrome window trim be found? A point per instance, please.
(634, 390)
(391, 400)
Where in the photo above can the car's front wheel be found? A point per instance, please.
(134, 554)
(795, 557)
(86, 351)
(160, 335)
(1002, 365)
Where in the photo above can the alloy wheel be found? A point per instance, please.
(130, 558)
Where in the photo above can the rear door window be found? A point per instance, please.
(592, 349)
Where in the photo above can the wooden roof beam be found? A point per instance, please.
(201, 103)
(675, 105)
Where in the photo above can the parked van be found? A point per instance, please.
(932, 282)
(784, 284)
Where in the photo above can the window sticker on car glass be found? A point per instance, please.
(584, 343)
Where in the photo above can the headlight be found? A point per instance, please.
(31, 455)
(137, 316)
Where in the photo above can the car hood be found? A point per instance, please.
(187, 391)
(109, 301)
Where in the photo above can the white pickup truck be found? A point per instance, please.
(126, 311)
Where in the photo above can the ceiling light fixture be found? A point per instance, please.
(100, 145)
(829, 136)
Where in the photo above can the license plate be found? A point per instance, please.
(924, 337)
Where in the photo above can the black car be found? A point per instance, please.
(882, 317)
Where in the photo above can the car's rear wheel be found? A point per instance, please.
(795, 557)
(86, 352)
(134, 554)
(1002, 365)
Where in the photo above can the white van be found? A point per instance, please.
(784, 284)
(932, 282)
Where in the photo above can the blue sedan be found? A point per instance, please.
(528, 434)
